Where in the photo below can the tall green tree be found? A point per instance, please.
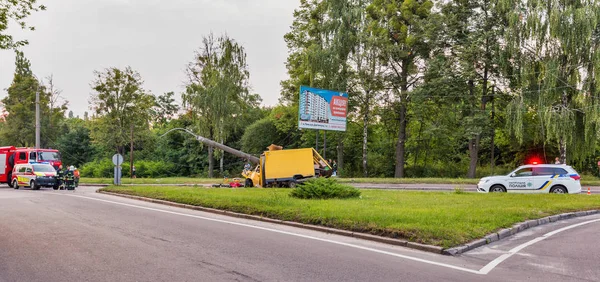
(367, 79)
(218, 90)
(164, 108)
(469, 45)
(75, 143)
(400, 27)
(19, 105)
(16, 11)
(556, 51)
(121, 106)
(322, 37)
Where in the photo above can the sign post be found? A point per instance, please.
(117, 160)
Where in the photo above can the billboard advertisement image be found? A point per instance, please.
(322, 109)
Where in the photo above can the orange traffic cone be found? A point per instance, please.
(589, 191)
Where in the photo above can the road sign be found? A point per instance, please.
(117, 159)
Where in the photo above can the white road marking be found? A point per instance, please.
(490, 266)
(282, 232)
(484, 271)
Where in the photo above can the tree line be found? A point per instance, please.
(437, 89)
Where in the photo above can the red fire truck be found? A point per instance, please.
(10, 156)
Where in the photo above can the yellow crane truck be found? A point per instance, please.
(276, 167)
(285, 168)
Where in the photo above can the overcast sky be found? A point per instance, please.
(155, 37)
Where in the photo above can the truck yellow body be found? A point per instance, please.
(284, 168)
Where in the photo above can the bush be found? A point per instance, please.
(324, 188)
(150, 169)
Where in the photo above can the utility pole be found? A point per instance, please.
(131, 154)
(37, 117)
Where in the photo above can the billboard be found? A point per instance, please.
(322, 109)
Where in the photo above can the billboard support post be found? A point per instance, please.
(317, 140)
(325, 145)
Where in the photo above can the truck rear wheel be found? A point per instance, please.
(292, 184)
(10, 184)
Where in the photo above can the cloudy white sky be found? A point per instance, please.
(155, 37)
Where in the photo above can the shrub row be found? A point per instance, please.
(324, 188)
(150, 169)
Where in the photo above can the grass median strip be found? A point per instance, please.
(586, 180)
(436, 218)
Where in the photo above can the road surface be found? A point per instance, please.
(84, 236)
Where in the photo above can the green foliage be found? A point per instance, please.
(218, 90)
(19, 107)
(164, 109)
(15, 11)
(259, 136)
(75, 143)
(144, 169)
(122, 106)
(324, 188)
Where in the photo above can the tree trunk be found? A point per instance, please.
(210, 161)
(365, 136)
(473, 155)
(493, 137)
(562, 142)
(562, 147)
(221, 161)
(340, 157)
(400, 147)
(473, 141)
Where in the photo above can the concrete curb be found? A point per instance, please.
(519, 227)
(364, 236)
(497, 236)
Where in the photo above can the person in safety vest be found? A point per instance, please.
(70, 179)
(60, 177)
(76, 174)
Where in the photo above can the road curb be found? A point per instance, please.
(364, 236)
(517, 228)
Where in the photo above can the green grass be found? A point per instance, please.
(585, 181)
(442, 219)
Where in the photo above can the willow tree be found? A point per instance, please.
(555, 45)
(218, 89)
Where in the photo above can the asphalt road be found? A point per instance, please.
(84, 236)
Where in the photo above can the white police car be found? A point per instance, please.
(544, 178)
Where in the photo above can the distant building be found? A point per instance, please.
(313, 107)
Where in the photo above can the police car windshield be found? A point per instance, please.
(49, 156)
(43, 168)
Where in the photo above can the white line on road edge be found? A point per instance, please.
(283, 232)
(490, 266)
(484, 271)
